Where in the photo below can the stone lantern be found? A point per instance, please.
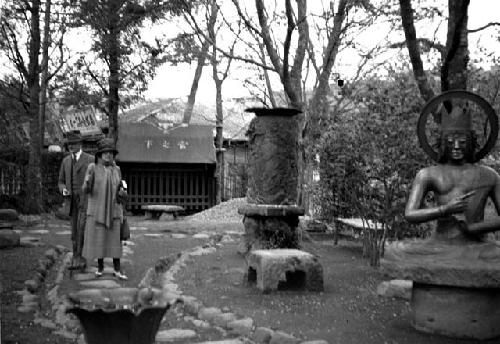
(271, 217)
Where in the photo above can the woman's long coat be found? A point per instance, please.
(100, 240)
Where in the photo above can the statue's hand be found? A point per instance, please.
(457, 204)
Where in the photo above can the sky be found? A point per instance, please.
(176, 81)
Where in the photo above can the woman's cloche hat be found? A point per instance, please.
(106, 145)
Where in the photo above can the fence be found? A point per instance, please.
(190, 186)
(11, 178)
(235, 181)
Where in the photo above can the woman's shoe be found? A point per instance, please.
(120, 275)
(98, 273)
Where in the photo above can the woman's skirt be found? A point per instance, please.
(100, 242)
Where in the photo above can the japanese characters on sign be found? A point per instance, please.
(83, 120)
(183, 144)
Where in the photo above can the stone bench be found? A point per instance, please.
(155, 211)
(8, 237)
(353, 227)
(282, 269)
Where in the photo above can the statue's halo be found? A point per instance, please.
(437, 101)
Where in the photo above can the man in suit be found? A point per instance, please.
(71, 175)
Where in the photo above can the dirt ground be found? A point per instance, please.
(348, 311)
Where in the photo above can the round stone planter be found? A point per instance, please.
(457, 312)
(119, 316)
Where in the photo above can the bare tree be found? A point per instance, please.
(454, 55)
(211, 12)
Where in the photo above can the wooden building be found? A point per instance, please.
(235, 168)
(168, 165)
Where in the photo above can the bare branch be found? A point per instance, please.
(266, 36)
(483, 27)
(247, 22)
(96, 79)
(425, 42)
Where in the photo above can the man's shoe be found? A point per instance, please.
(120, 275)
(98, 273)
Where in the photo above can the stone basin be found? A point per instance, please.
(119, 315)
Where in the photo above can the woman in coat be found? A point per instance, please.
(104, 211)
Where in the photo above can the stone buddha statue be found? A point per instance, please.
(461, 188)
(457, 269)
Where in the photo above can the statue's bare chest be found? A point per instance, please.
(452, 182)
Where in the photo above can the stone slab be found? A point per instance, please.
(155, 211)
(269, 268)
(6, 225)
(162, 207)
(271, 210)
(9, 239)
(104, 283)
(475, 265)
(472, 313)
(395, 288)
(9, 215)
(174, 334)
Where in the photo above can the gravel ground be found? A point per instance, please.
(223, 212)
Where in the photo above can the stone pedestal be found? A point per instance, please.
(270, 226)
(284, 269)
(456, 288)
(456, 312)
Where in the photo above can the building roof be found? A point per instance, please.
(148, 143)
(236, 120)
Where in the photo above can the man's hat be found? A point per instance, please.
(72, 137)
(458, 119)
(106, 145)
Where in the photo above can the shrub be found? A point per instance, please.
(369, 155)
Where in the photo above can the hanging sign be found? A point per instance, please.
(83, 120)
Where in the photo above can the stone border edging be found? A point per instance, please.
(62, 325)
(202, 316)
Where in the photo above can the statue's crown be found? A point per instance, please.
(458, 119)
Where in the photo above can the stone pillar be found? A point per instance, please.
(273, 157)
(272, 216)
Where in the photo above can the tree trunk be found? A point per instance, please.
(114, 76)
(45, 70)
(414, 50)
(219, 115)
(319, 108)
(456, 58)
(188, 111)
(219, 125)
(34, 197)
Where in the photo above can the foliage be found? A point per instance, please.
(371, 178)
(122, 59)
(14, 163)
